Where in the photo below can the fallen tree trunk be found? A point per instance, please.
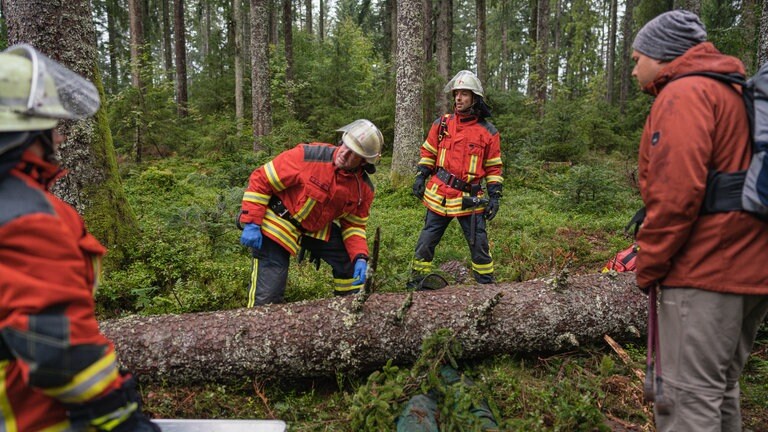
(343, 334)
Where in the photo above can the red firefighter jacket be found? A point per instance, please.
(48, 272)
(315, 193)
(470, 149)
(696, 124)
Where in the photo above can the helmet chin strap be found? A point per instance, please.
(46, 141)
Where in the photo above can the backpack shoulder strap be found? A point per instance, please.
(443, 131)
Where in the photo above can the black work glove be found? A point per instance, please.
(494, 192)
(420, 183)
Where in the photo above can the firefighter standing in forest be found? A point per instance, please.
(57, 371)
(292, 202)
(461, 150)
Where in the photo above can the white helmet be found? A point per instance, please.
(363, 138)
(36, 92)
(465, 80)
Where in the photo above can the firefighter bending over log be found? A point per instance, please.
(291, 203)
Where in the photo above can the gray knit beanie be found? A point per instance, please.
(670, 35)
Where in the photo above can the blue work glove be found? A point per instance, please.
(251, 236)
(361, 266)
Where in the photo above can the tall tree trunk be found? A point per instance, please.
(480, 40)
(505, 78)
(444, 51)
(136, 14)
(343, 335)
(749, 24)
(556, 44)
(262, 108)
(239, 106)
(321, 21)
(112, 36)
(204, 19)
(409, 79)
(288, 45)
(689, 5)
(393, 11)
(627, 36)
(308, 17)
(542, 55)
(180, 42)
(533, 37)
(762, 46)
(429, 29)
(93, 185)
(167, 48)
(274, 22)
(610, 59)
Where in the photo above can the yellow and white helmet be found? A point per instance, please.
(465, 80)
(36, 92)
(363, 138)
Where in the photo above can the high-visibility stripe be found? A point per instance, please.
(89, 383)
(254, 278)
(427, 162)
(256, 197)
(349, 232)
(344, 285)
(305, 210)
(483, 268)
(7, 419)
(421, 266)
(441, 157)
(115, 418)
(59, 427)
(473, 166)
(492, 162)
(355, 220)
(494, 179)
(282, 232)
(429, 147)
(272, 177)
(98, 275)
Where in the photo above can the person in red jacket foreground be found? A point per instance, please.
(57, 371)
(709, 267)
(316, 196)
(461, 150)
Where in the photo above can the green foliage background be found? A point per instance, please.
(570, 186)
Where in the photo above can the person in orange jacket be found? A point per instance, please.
(707, 267)
(462, 151)
(315, 196)
(57, 371)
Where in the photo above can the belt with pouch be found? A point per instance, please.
(457, 183)
(276, 204)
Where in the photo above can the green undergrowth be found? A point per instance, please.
(553, 216)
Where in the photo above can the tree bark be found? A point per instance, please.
(288, 46)
(238, 23)
(689, 5)
(93, 185)
(429, 29)
(541, 55)
(324, 337)
(762, 46)
(321, 21)
(180, 50)
(274, 22)
(135, 12)
(480, 40)
(262, 108)
(167, 48)
(409, 87)
(444, 52)
(112, 38)
(626, 51)
(610, 58)
(308, 17)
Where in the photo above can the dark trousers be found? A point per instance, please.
(269, 267)
(434, 228)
